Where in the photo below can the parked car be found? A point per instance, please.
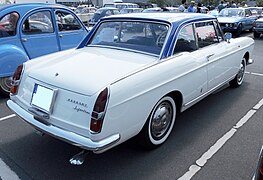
(103, 12)
(85, 13)
(131, 10)
(256, 11)
(258, 27)
(121, 5)
(150, 10)
(213, 12)
(258, 175)
(119, 84)
(236, 20)
(31, 30)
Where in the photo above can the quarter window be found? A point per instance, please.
(66, 21)
(8, 24)
(186, 40)
(206, 34)
(38, 23)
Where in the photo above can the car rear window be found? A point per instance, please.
(140, 36)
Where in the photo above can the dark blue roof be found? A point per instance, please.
(167, 17)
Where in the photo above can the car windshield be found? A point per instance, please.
(139, 36)
(231, 13)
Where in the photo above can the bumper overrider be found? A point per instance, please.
(67, 136)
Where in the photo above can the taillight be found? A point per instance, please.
(98, 112)
(16, 79)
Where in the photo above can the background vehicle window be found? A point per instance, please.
(66, 21)
(38, 23)
(8, 24)
(206, 34)
(186, 40)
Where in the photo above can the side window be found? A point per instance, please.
(108, 13)
(66, 21)
(248, 12)
(218, 31)
(38, 23)
(206, 34)
(8, 24)
(186, 40)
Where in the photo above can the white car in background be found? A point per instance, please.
(85, 13)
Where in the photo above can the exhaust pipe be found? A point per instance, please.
(79, 158)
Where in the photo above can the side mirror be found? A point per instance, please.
(228, 36)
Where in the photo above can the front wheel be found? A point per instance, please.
(5, 85)
(159, 125)
(256, 35)
(237, 81)
(239, 30)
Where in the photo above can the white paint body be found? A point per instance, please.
(136, 83)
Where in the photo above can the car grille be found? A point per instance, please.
(260, 25)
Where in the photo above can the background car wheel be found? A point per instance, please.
(256, 35)
(5, 85)
(237, 81)
(239, 30)
(159, 125)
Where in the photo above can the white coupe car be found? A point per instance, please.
(130, 76)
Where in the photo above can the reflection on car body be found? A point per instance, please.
(136, 82)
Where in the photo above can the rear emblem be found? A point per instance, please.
(56, 74)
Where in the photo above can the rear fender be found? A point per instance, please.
(11, 57)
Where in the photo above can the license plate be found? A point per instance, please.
(42, 98)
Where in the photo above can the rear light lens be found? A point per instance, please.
(98, 112)
(16, 79)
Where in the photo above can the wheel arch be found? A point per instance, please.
(178, 99)
(246, 56)
(11, 57)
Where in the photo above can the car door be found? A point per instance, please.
(38, 34)
(218, 53)
(190, 66)
(70, 30)
(249, 19)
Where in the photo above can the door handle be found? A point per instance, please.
(60, 35)
(210, 55)
(24, 39)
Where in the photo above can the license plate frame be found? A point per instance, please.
(43, 98)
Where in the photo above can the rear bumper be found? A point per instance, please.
(67, 136)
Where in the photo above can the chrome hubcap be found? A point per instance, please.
(161, 120)
(5, 83)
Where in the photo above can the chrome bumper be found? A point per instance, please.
(70, 137)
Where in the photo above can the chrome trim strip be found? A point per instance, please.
(67, 136)
(207, 93)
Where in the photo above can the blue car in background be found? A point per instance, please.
(31, 30)
(236, 20)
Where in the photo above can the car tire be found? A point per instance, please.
(239, 30)
(159, 124)
(5, 85)
(238, 80)
(256, 35)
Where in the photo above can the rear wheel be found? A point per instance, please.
(237, 81)
(5, 85)
(159, 125)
